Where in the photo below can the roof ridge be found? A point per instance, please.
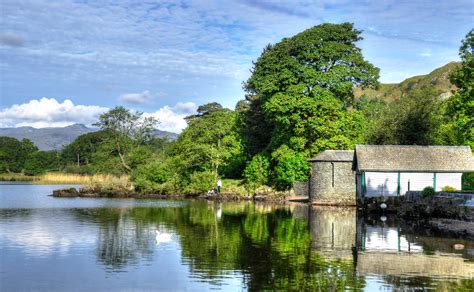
(415, 146)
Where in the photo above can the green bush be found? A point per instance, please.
(291, 167)
(151, 177)
(427, 192)
(201, 182)
(257, 172)
(40, 162)
(448, 189)
(468, 181)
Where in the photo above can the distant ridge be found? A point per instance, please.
(437, 79)
(55, 138)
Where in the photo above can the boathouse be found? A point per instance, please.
(332, 179)
(392, 170)
(339, 177)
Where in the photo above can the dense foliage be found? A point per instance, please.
(299, 98)
(299, 102)
(458, 127)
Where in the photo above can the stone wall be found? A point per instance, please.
(332, 183)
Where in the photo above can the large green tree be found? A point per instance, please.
(300, 94)
(458, 128)
(211, 142)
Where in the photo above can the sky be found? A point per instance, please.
(65, 62)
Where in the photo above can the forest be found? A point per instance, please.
(299, 101)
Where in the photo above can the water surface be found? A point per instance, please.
(57, 244)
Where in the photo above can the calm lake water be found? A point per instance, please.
(64, 244)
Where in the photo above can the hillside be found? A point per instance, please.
(54, 138)
(438, 79)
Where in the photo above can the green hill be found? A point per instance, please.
(438, 79)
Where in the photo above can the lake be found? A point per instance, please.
(91, 244)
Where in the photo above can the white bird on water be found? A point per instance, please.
(162, 237)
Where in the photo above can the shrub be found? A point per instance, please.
(201, 182)
(427, 192)
(291, 167)
(448, 189)
(468, 181)
(257, 172)
(151, 177)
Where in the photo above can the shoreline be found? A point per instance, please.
(448, 226)
(74, 193)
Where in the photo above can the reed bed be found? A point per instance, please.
(69, 178)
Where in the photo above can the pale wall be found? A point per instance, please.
(376, 182)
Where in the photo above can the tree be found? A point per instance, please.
(209, 143)
(13, 153)
(300, 93)
(414, 119)
(40, 162)
(458, 128)
(82, 150)
(127, 130)
(205, 109)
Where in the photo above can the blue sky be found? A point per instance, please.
(66, 61)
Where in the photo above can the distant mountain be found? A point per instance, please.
(165, 134)
(56, 137)
(438, 79)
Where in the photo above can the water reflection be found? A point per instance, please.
(204, 245)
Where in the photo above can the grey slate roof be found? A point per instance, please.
(413, 158)
(334, 155)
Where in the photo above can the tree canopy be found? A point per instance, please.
(209, 143)
(300, 94)
(127, 129)
(459, 117)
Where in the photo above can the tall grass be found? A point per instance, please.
(69, 178)
(16, 177)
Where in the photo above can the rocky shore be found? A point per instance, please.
(447, 215)
(97, 192)
(457, 228)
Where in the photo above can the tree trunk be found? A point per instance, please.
(122, 159)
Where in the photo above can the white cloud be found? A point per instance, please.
(136, 98)
(172, 118)
(48, 112)
(186, 108)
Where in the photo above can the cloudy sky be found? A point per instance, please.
(65, 62)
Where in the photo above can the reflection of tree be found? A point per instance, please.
(121, 240)
(264, 243)
(12, 213)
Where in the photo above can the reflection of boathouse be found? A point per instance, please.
(333, 230)
(376, 247)
(384, 249)
(385, 170)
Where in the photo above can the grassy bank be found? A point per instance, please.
(68, 178)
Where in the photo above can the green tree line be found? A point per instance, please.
(299, 102)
